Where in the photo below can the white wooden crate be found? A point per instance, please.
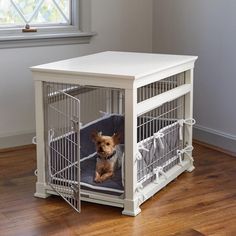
(148, 85)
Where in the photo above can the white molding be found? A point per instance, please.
(15, 133)
(46, 40)
(81, 79)
(215, 137)
(216, 132)
(16, 140)
(148, 79)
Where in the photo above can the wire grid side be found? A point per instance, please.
(161, 86)
(158, 138)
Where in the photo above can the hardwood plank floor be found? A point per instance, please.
(199, 203)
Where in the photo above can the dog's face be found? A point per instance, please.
(105, 145)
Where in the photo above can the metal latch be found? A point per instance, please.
(75, 123)
(75, 189)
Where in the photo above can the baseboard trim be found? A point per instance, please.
(215, 139)
(16, 140)
(218, 149)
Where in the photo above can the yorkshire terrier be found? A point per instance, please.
(108, 155)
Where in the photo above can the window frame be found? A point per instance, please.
(78, 32)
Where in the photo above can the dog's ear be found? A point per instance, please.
(116, 138)
(95, 135)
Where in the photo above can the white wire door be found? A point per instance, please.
(63, 119)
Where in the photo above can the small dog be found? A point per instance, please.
(109, 155)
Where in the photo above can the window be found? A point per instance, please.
(35, 12)
(39, 22)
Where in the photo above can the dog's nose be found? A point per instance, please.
(101, 149)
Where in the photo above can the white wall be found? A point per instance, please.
(120, 25)
(205, 28)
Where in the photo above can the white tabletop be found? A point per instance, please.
(116, 64)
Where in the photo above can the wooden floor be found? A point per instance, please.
(199, 203)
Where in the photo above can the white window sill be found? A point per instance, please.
(37, 39)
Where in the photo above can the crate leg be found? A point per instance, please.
(191, 168)
(41, 191)
(131, 203)
(131, 208)
(41, 173)
(189, 114)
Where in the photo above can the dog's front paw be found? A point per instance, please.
(98, 180)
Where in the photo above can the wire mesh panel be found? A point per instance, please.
(94, 101)
(160, 136)
(161, 86)
(63, 122)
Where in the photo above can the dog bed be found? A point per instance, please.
(87, 172)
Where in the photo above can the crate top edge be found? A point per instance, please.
(116, 64)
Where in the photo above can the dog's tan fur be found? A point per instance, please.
(105, 147)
